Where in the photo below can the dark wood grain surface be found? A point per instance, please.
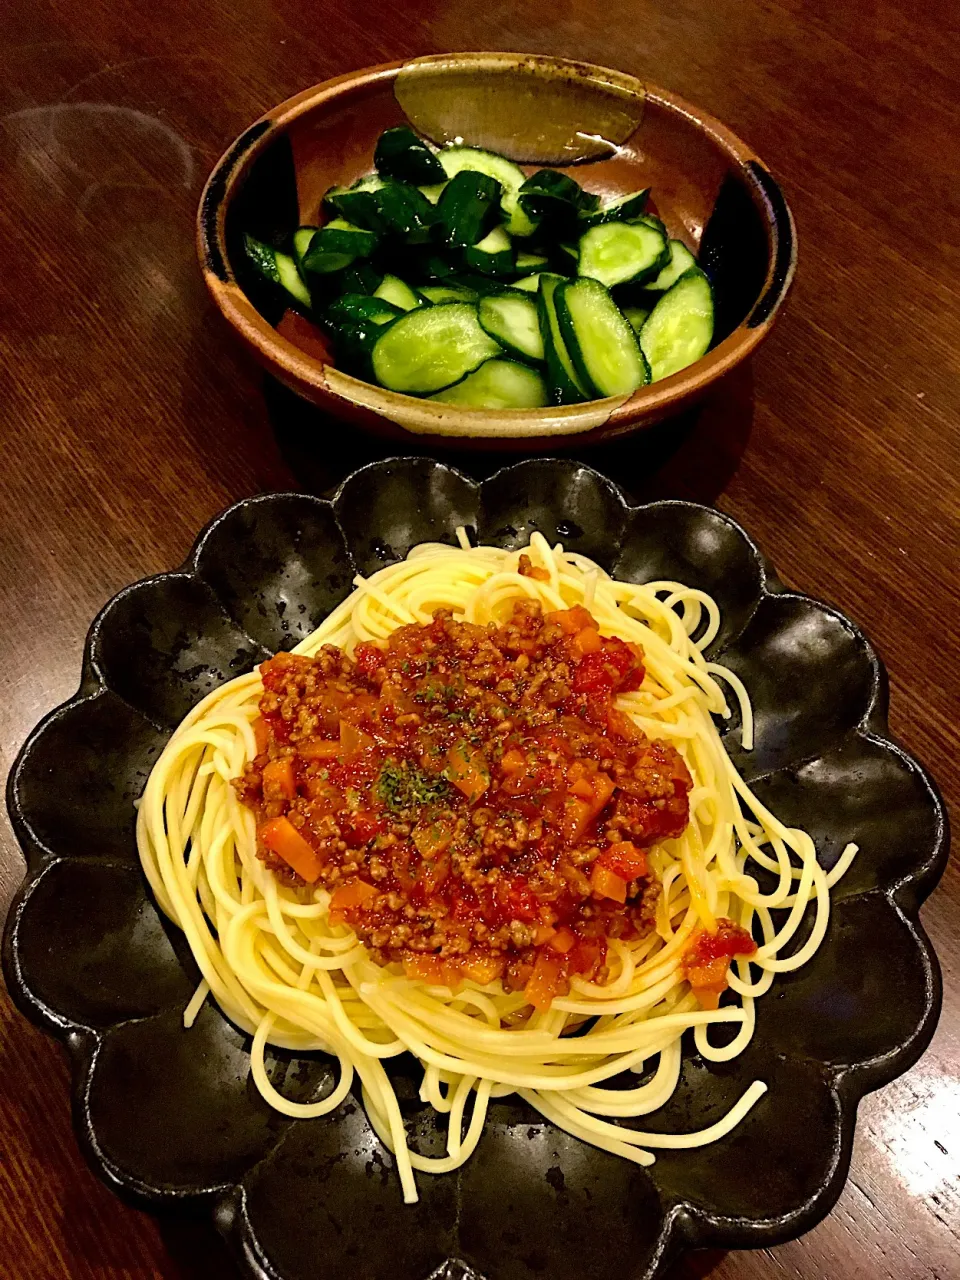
(128, 418)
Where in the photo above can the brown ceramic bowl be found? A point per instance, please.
(621, 134)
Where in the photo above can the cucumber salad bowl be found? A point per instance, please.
(495, 249)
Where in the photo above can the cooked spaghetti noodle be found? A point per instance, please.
(293, 974)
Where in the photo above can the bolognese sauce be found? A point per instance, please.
(471, 796)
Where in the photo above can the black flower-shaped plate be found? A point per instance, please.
(168, 1117)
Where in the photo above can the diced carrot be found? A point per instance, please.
(349, 897)
(576, 819)
(542, 934)
(624, 859)
(319, 749)
(513, 761)
(281, 837)
(607, 884)
(280, 779)
(481, 966)
(708, 981)
(587, 641)
(581, 810)
(432, 838)
(563, 940)
(546, 981)
(571, 620)
(353, 741)
(467, 769)
(261, 734)
(434, 971)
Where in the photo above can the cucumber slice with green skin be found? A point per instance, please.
(532, 261)
(433, 192)
(358, 204)
(601, 343)
(401, 154)
(635, 317)
(554, 201)
(396, 291)
(679, 329)
(681, 260)
(431, 348)
(565, 384)
(529, 284)
(616, 252)
(301, 243)
(336, 245)
(278, 267)
(361, 277)
(405, 211)
(619, 209)
(510, 176)
(360, 309)
(468, 208)
(512, 319)
(497, 384)
(447, 293)
(491, 256)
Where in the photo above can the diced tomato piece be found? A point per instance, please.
(708, 981)
(362, 826)
(354, 896)
(592, 675)
(467, 769)
(586, 956)
(546, 982)
(369, 658)
(280, 779)
(281, 837)
(607, 884)
(624, 859)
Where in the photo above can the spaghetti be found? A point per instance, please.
(283, 959)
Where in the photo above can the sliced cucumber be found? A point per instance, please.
(619, 251)
(401, 154)
(301, 243)
(553, 200)
(278, 267)
(619, 209)
(396, 291)
(447, 293)
(493, 255)
(529, 284)
(565, 384)
(510, 176)
(358, 204)
(681, 260)
(336, 245)
(360, 309)
(498, 384)
(431, 348)
(512, 319)
(360, 277)
(601, 343)
(635, 317)
(433, 192)
(532, 261)
(405, 211)
(679, 329)
(468, 207)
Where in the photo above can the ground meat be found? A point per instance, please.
(470, 795)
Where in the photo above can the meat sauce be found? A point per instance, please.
(471, 796)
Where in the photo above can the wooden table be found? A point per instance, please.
(129, 418)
